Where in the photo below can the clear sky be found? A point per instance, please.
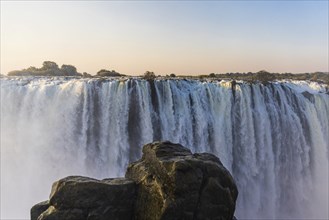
(181, 37)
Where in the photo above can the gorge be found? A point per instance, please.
(273, 137)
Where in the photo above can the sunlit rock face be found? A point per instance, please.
(273, 138)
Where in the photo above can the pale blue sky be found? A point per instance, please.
(182, 37)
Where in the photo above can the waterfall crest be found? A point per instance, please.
(273, 138)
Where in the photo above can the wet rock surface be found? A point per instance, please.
(168, 182)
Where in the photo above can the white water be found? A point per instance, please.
(273, 139)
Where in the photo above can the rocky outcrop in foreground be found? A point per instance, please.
(168, 182)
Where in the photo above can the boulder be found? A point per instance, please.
(168, 182)
(83, 192)
(173, 183)
(77, 197)
(39, 208)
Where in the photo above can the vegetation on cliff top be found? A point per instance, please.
(50, 68)
(264, 76)
(112, 73)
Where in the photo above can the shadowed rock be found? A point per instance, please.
(77, 197)
(168, 182)
(173, 183)
(38, 209)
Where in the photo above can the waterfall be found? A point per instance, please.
(273, 138)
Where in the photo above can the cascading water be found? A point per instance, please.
(273, 138)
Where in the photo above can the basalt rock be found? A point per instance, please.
(173, 183)
(38, 209)
(83, 198)
(168, 182)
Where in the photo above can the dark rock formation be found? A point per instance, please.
(169, 182)
(38, 209)
(80, 198)
(173, 183)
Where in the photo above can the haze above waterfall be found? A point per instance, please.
(273, 138)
